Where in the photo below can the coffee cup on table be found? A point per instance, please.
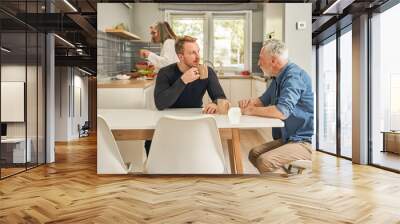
(223, 106)
(234, 115)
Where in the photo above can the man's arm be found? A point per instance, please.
(214, 88)
(268, 111)
(165, 94)
(263, 100)
(291, 92)
(266, 97)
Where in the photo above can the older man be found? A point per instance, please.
(289, 98)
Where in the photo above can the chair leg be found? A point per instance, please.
(290, 168)
(299, 170)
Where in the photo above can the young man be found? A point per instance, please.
(179, 85)
(289, 98)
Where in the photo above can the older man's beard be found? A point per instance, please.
(265, 73)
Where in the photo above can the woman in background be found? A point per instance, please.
(161, 32)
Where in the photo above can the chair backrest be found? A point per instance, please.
(186, 145)
(109, 160)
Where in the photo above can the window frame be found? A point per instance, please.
(209, 34)
(334, 37)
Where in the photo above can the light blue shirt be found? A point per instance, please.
(291, 92)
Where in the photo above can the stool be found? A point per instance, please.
(300, 165)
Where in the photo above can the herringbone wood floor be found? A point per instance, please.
(69, 191)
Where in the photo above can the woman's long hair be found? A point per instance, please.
(165, 32)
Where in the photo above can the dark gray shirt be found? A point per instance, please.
(171, 92)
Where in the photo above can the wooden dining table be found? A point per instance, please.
(139, 124)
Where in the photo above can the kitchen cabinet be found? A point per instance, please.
(259, 87)
(240, 89)
(226, 86)
(125, 94)
(236, 89)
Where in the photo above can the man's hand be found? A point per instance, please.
(144, 53)
(255, 102)
(190, 75)
(249, 110)
(210, 108)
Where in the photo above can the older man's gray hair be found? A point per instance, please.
(276, 47)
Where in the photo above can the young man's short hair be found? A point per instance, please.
(180, 42)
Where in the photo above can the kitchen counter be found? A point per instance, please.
(131, 83)
(134, 83)
(257, 77)
(231, 76)
(125, 94)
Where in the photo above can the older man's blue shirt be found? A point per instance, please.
(291, 92)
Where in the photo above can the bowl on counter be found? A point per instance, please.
(122, 77)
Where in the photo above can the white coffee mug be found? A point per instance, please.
(234, 114)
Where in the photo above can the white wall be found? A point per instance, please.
(273, 19)
(143, 15)
(299, 42)
(67, 82)
(62, 81)
(112, 14)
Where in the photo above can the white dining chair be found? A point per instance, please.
(133, 152)
(109, 159)
(186, 145)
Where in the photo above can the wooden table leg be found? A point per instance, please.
(235, 155)
(231, 157)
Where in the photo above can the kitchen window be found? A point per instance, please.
(224, 37)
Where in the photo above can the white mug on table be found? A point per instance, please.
(234, 115)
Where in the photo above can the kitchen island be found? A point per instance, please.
(125, 94)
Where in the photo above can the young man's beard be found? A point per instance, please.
(190, 65)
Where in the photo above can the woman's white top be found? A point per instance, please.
(167, 55)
